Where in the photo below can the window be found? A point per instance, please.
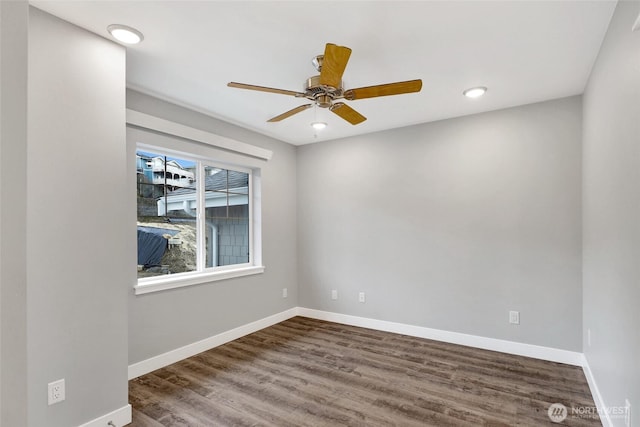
(227, 216)
(194, 219)
(198, 202)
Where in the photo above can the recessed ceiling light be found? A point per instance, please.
(319, 125)
(125, 34)
(475, 92)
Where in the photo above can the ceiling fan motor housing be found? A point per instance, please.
(323, 95)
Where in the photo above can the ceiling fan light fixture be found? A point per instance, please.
(475, 92)
(125, 34)
(318, 125)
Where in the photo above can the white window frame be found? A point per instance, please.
(212, 274)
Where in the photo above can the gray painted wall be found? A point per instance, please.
(612, 213)
(167, 320)
(14, 21)
(76, 235)
(451, 224)
(447, 225)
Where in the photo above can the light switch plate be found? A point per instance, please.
(514, 317)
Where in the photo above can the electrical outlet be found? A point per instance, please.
(284, 292)
(627, 413)
(334, 294)
(56, 391)
(514, 317)
(361, 297)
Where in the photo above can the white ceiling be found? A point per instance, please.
(523, 51)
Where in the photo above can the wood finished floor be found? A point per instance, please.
(305, 372)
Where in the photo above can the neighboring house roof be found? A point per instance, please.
(221, 181)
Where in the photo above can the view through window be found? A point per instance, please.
(172, 235)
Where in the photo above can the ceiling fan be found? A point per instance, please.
(325, 88)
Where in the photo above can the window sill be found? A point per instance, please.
(163, 283)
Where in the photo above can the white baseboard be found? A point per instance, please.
(503, 346)
(173, 356)
(595, 392)
(119, 417)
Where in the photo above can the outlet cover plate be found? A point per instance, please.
(56, 391)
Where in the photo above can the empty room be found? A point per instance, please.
(319, 213)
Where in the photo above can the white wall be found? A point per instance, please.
(13, 156)
(612, 214)
(450, 225)
(77, 282)
(164, 321)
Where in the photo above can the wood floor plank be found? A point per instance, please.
(306, 372)
(141, 420)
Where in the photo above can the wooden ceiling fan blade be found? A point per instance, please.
(397, 88)
(265, 89)
(347, 113)
(333, 64)
(290, 113)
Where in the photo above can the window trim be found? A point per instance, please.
(156, 124)
(254, 266)
(179, 280)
